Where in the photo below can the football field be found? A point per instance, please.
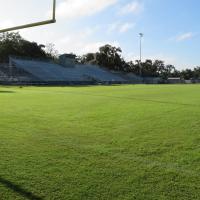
(100, 143)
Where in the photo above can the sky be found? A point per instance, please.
(171, 27)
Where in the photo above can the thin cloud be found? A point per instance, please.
(126, 27)
(80, 42)
(71, 9)
(134, 7)
(184, 36)
(120, 27)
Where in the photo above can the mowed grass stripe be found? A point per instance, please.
(113, 142)
(154, 98)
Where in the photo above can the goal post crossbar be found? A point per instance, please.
(51, 21)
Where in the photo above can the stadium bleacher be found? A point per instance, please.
(52, 72)
(12, 73)
(130, 77)
(99, 74)
(37, 71)
(3, 76)
(47, 71)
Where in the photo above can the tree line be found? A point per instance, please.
(111, 58)
(13, 44)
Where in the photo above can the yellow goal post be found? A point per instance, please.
(51, 21)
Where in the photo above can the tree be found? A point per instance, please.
(187, 74)
(51, 51)
(108, 56)
(12, 44)
(89, 58)
(149, 69)
(196, 73)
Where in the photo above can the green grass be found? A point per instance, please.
(106, 143)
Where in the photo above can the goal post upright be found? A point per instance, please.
(51, 21)
(54, 11)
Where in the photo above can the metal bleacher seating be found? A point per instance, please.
(98, 73)
(51, 72)
(3, 77)
(47, 71)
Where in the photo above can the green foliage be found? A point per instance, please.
(51, 52)
(191, 74)
(110, 143)
(108, 56)
(111, 58)
(12, 44)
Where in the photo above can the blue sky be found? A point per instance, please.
(171, 27)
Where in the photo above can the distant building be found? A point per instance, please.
(188, 81)
(67, 60)
(174, 80)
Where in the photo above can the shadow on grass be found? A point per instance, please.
(19, 190)
(6, 92)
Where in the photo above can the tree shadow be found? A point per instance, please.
(19, 190)
(6, 92)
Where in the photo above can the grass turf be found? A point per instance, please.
(106, 143)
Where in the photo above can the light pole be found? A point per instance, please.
(140, 65)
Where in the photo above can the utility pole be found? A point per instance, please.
(140, 64)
